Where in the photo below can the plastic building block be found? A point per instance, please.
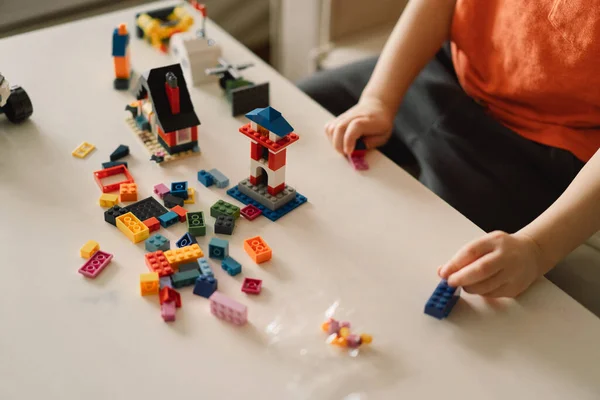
(160, 190)
(157, 242)
(265, 141)
(88, 249)
(269, 214)
(340, 334)
(231, 266)
(228, 309)
(250, 212)
(204, 266)
(258, 249)
(167, 311)
(186, 240)
(171, 201)
(205, 286)
(128, 192)
(153, 224)
(442, 300)
(108, 200)
(358, 162)
(121, 57)
(205, 178)
(180, 211)
(147, 208)
(113, 171)
(132, 227)
(191, 199)
(260, 193)
(112, 213)
(224, 208)
(120, 152)
(164, 281)
(224, 225)
(195, 223)
(179, 189)
(110, 164)
(168, 219)
(157, 262)
(247, 98)
(95, 264)
(149, 283)
(220, 180)
(184, 278)
(251, 286)
(183, 255)
(193, 265)
(83, 150)
(218, 248)
(168, 294)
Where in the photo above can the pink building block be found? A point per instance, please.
(95, 264)
(251, 286)
(358, 162)
(167, 311)
(250, 212)
(228, 309)
(161, 190)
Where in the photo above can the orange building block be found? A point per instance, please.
(128, 192)
(258, 249)
(132, 227)
(182, 212)
(157, 262)
(149, 283)
(122, 67)
(89, 249)
(183, 255)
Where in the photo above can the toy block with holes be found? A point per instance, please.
(183, 255)
(181, 213)
(179, 189)
(157, 242)
(157, 262)
(132, 227)
(160, 190)
(168, 219)
(250, 212)
(251, 286)
(228, 309)
(112, 213)
(220, 180)
(442, 300)
(258, 249)
(153, 224)
(205, 178)
(191, 199)
(186, 240)
(224, 208)
(147, 208)
(205, 286)
(224, 225)
(218, 248)
(204, 267)
(128, 192)
(149, 283)
(231, 266)
(108, 200)
(112, 171)
(95, 264)
(83, 150)
(89, 249)
(195, 223)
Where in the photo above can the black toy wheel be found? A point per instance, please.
(18, 107)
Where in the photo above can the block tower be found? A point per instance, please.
(120, 53)
(270, 135)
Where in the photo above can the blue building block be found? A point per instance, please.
(205, 178)
(119, 44)
(142, 123)
(157, 242)
(204, 266)
(221, 181)
(110, 164)
(168, 219)
(165, 281)
(205, 286)
(186, 240)
(189, 267)
(218, 248)
(442, 300)
(231, 266)
(120, 152)
(270, 214)
(180, 189)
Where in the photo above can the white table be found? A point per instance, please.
(367, 242)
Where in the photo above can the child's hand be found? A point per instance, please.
(369, 119)
(496, 265)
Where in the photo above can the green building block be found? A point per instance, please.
(195, 223)
(185, 278)
(224, 208)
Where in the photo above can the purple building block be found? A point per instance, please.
(165, 281)
(161, 189)
(167, 311)
(95, 264)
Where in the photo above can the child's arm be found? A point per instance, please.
(418, 35)
(502, 265)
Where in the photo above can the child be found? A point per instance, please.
(503, 123)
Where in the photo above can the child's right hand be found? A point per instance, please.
(369, 119)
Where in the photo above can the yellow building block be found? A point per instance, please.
(89, 249)
(183, 255)
(108, 200)
(191, 196)
(149, 283)
(132, 227)
(83, 150)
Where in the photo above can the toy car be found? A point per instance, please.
(14, 102)
(158, 26)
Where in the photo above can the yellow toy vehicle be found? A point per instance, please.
(158, 26)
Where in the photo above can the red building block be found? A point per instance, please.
(153, 224)
(112, 171)
(277, 161)
(157, 262)
(250, 212)
(274, 190)
(251, 286)
(181, 212)
(256, 151)
(168, 294)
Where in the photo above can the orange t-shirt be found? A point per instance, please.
(536, 65)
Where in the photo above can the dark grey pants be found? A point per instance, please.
(493, 176)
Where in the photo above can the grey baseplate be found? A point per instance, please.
(260, 194)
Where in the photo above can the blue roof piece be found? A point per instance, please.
(271, 119)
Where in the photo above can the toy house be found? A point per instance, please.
(163, 116)
(265, 188)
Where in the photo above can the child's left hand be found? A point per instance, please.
(496, 265)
